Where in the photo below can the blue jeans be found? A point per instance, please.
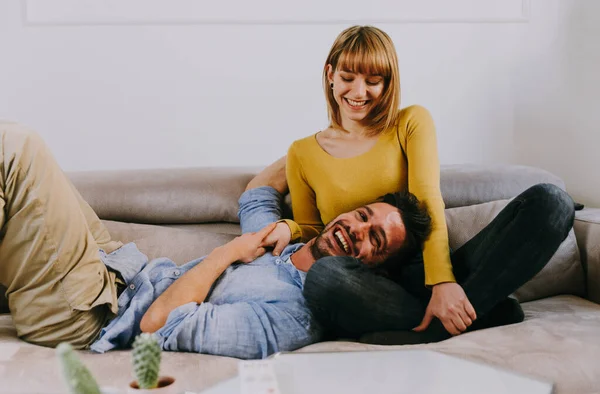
(350, 299)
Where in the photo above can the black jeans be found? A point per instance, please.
(350, 299)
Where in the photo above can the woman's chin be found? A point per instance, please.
(355, 117)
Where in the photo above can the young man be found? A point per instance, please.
(68, 281)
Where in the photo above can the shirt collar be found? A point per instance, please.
(289, 250)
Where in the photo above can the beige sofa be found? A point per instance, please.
(184, 213)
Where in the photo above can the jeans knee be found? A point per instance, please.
(557, 204)
(327, 277)
(559, 201)
(333, 266)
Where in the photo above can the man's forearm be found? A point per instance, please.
(193, 286)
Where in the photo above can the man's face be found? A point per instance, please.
(371, 233)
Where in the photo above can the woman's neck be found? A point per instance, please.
(353, 128)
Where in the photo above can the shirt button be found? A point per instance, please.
(132, 286)
(278, 261)
(176, 272)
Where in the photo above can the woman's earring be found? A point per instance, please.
(331, 85)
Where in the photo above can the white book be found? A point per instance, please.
(383, 372)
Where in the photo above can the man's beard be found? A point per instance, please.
(319, 248)
(322, 246)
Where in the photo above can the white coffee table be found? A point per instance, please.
(393, 371)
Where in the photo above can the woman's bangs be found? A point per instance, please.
(364, 59)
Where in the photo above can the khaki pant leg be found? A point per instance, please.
(95, 225)
(58, 288)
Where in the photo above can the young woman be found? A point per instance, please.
(372, 148)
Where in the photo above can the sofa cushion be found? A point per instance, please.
(562, 275)
(223, 228)
(179, 244)
(558, 341)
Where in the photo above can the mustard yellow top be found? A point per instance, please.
(405, 156)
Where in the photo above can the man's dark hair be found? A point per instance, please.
(416, 221)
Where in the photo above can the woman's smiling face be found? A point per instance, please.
(355, 93)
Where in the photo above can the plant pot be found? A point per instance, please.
(166, 385)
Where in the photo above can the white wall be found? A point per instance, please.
(115, 88)
(557, 113)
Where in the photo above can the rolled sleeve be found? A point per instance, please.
(259, 207)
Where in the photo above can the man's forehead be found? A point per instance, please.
(394, 219)
(389, 218)
(382, 209)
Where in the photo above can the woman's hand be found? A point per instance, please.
(279, 238)
(450, 304)
(248, 247)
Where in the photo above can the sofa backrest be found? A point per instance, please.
(470, 184)
(208, 195)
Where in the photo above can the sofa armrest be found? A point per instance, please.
(587, 231)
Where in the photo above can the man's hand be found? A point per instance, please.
(450, 304)
(278, 238)
(248, 247)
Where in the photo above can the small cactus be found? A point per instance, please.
(78, 378)
(146, 360)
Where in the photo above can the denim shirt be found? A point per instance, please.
(251, 311)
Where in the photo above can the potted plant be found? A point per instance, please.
(78, 378)
(146, 356)
(146, 366)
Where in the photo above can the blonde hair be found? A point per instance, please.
(366, 50)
